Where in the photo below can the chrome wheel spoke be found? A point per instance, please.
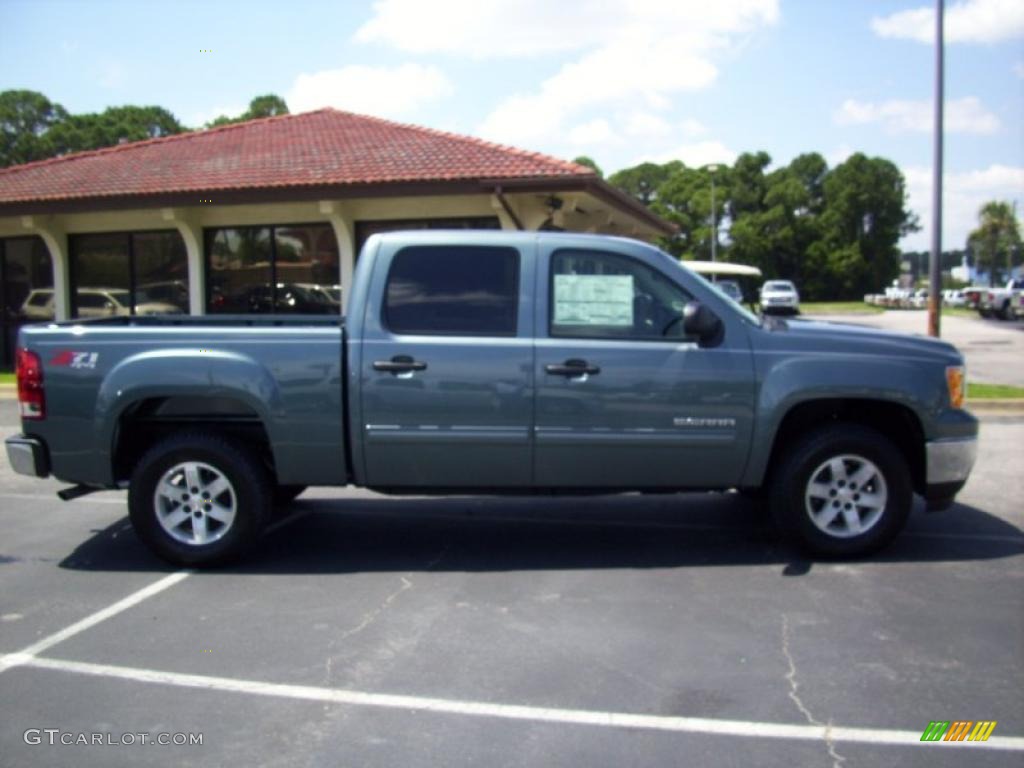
(838, 467)
(871, 501)
(192, 476)
(825, 517)
(217, 487)
(221, 514)
(168, 490)
(852, 520)
(819, 490)
(863, 475)
(200, 532)
(175, 518)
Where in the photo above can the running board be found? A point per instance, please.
(76, 491)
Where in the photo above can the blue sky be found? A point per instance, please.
(619, 80)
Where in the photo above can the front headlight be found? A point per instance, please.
(956, 383)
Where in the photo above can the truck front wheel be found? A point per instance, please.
(841, 491)
(198, 499)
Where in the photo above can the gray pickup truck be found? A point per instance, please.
(496, 363)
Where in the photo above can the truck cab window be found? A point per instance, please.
(453, 290)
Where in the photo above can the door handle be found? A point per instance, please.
(399, 364)
(572, 368)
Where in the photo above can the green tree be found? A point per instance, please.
(996, 243)
(589, 163)
(115, 125)
(684, 198)
(267, 105)
(863, 219)
(25, 118)
(642, 181)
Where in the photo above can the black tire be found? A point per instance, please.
(855, 447)
(248, 496)
(286, 494)
(1004, 312)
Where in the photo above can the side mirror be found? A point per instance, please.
(701, 322)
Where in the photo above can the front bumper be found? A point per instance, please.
(951, 460)
(28, 456)
(949, 463)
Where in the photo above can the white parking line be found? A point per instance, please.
(700, 725)
(26, 655)
(43, 497)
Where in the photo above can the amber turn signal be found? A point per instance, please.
(956, 382)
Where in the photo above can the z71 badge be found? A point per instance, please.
(72, 359)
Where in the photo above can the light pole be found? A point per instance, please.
(714, 221)
(935, 268)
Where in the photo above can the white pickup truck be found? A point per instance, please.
(1005, 303)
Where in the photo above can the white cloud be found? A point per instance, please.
(972, 21)
(529, 28)
(692, 127)
(963, 195)
(965, 115)
(646, 125)
(593, 133)
(382, 91)
(695, 154)
(645, 55)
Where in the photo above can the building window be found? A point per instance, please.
(26, 284)
(129, 273)
(366, 228)
(463, 290)
(285, 269)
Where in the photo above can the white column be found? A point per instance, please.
(192, 234)
(56, 240)
(344, 233)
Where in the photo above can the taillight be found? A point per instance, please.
(29, 371)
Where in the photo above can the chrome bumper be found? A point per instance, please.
(27, 456)
(950, 461)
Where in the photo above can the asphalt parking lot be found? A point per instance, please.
(601, 631)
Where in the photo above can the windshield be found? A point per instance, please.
(778, 285)
(743, 312)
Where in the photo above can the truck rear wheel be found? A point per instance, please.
(842, 491)
(198, 499)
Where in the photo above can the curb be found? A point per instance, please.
(996, 405)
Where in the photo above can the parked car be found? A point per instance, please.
(954, 298)
(289, 298)
(490, 363)
(95, 302)
(731, 289)
(1001, 302)
(779, 296)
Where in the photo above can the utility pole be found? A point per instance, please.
(714, 221)
(935, 268)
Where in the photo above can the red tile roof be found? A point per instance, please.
(313, 149)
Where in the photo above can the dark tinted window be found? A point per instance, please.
(468, 290)
(289, 268)
(145, 272)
